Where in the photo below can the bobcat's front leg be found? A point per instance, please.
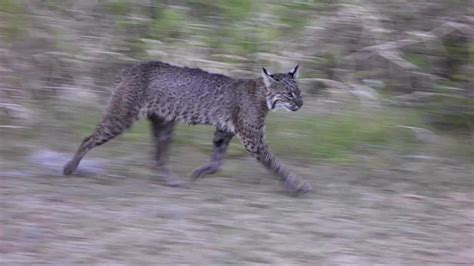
(255, 144)
(221, 142)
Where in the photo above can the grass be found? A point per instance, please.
(15, 22)
(10, 6)
(118, 7)
(335, 138)
(418, 60)
(308, 137)
(169, 24)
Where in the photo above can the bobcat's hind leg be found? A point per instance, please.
(162, 135)
(108, 129)
(221, 142)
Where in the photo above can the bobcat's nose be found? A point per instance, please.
(296, 106)
(299, 102)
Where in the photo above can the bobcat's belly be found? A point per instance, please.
(218, 122)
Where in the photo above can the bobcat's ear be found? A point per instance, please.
(267, 77)
(294, 71)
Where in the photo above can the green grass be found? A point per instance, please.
(418, 60)
(15, 23)
(169, 24)
(336, 138)
(471, 53)
(11, 6)
(118, 7)
(332, 138)
(293, 15)
(306, 137)
(237, 9)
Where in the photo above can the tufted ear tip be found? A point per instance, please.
(265, 72)
(267, 77)
(294, 72)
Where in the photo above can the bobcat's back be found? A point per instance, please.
(189, 95)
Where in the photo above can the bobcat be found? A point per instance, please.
(165, 94)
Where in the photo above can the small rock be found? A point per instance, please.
(364, 92)
(53, 162)
(374, 83)
(422, 134)
(417, 157)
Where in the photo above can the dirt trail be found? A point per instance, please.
(355, 216)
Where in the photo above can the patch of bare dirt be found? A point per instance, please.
(355, 216)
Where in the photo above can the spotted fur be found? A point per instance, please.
(166, 94)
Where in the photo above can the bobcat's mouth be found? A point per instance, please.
(293, 108)
(274, 104)
(284, 106)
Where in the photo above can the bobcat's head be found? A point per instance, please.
(282, 90)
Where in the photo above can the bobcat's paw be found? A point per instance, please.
(204, 170)
(169, 179)
(69, 168)
(296, 185)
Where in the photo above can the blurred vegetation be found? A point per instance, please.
(389, 61)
